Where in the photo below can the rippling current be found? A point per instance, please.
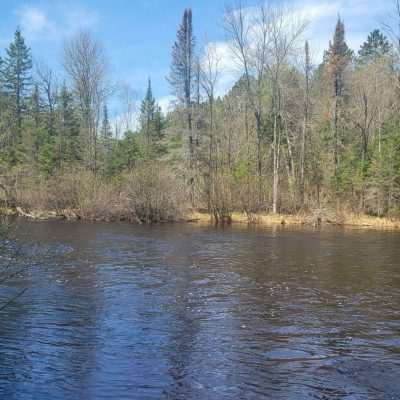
(116, 311)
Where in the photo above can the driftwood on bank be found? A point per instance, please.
(22, 213)
(44, 215)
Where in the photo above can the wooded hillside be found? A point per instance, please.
(291, 135)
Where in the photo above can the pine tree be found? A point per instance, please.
(17, 76)
(106, 142)
(2, 77)
(40, 145)
(35, 107)
(68, 128)
(105, 126)
(338, 57)
(147, 113)
(35, 121)
(183, 71)
(159, 122)
(376, 46)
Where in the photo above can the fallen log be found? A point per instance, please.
(22, 213)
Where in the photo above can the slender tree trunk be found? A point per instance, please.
(291, 171)
(259, 160)
(246, 127)
(275, 183)
(305, 123)
(210, 154)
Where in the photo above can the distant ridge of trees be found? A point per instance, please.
(289, 136)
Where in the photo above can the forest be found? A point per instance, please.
(291, 136)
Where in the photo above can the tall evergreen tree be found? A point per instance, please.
(147, 113)
(183, 70)
(33, 137)
(2, 77)
(35, 106)
(376, 46)
(68, 128)
(17, 76)
(105, 126)
(106, 142)
(159, 122)
(339, 57)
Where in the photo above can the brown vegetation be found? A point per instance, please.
(149, 194)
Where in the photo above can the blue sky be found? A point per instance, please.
(138, 34)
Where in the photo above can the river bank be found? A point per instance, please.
(365, 221)
(202, 217)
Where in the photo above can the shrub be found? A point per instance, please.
(155, 194)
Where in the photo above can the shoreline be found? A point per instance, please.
(201, 217)
(346, 220)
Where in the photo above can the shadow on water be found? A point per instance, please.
(189, 312)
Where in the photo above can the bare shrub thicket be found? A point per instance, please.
(155, 194)
(149, 193)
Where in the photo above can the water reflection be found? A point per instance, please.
(186, 312)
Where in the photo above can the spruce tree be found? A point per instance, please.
(183, 71)
(17, 77)
(147, 113)
(35, 121)
(106, 142)
(376, 46)
(105, 126)
(35, 107)
(338, 57)
(68, 128)
(159, 122)
(40, 146)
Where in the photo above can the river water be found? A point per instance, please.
(116, 311)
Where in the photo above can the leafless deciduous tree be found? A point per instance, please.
(48, 85)
(262, 42)
(128, 98)
(209, 74)
(306, 117)
(86, 64)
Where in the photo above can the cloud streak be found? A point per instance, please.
(39, 23)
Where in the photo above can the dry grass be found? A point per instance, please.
(242, 218)
(371, 222)
(363, 221)
(203, 218)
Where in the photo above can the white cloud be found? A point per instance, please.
(34, 22)
(316, 11)
(165, 103)
(227, 66)
(55, 23)
(33, 19)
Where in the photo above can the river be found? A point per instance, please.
(117, 311)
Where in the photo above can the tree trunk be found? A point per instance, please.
(275, 184)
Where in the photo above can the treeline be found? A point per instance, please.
(290, 136)
(48, 126)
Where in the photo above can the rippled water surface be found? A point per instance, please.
(186, 312)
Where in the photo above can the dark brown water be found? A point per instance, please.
(187, 312)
